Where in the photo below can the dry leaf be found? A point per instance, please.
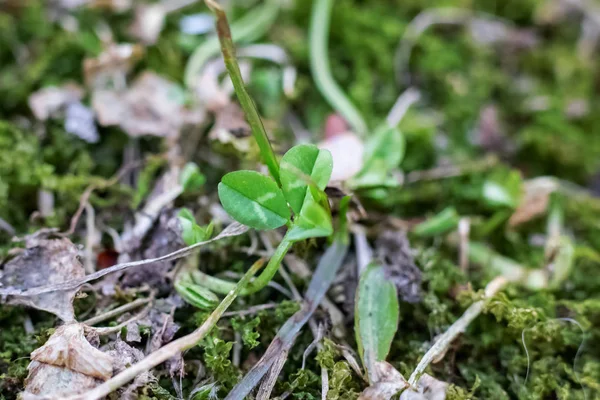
(347, 152)
(44, 262)
(429, 388)
(79, 121)
(69, 348)
(231, 128)
(153, 105)
(50, 382)
(66, 364)
(123, 357)
(49, 101)
(534, 201)
(387, 382)
(111, 65)
(148, 23)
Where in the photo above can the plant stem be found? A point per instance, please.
(171, 349)
(319, 66)
(458, 327)
(222, 286)
(258, 130)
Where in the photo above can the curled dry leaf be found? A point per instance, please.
(66, 364)
(534, 201)
(347, 151)
(44, 262)
(429, 388)
(49, 101)
(112, 64)
(50, 382)
(387, 382)
(153, 105)
(69, 348)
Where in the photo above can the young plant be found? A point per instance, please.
(293, 195)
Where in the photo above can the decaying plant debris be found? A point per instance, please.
(299, 200)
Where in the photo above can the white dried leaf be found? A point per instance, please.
(347, 152)
(387, 381)
(49, 101)
(69, 348)
(112, 64)
(148, 23)
(47, 381)
(429, 388)
(44, 262)
(79, 121)
(153, 105)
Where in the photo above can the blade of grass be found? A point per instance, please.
(258, 130)
(321, 72)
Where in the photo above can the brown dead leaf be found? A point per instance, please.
(44, 262)
(123, 357)
(49, 101)
(153, 105)
(347, 152)
(231, 128)
(387, 382)
(534, 201)
(69, 348)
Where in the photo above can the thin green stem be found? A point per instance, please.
(258, 130)
(250, 27)
(319, 65)
(223, 286)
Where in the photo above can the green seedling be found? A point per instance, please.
(293, 195)
(439, 224)
(376, 316)
(191, 232)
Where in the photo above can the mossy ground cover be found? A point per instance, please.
(540, 86)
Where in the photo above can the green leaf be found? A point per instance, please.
(503, 189)
(253, 199)
(386, 147)
(191, 232)
(384, 150)
(440, 223)
(313, 221)
(196, 295)
(191, 178)
(300, 166)
(376, 315)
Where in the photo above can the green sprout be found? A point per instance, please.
(293, 194)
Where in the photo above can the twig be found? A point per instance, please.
(324, 383)
(171, 349)
(319, 284)
(117, 311)
(250, 311)
(458, 327)
(112, 329)
(321, 72)
(234, 229)
(89, 238)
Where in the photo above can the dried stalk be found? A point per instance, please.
(171, 349)
(458, 327)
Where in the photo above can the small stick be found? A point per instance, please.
(250, 311)
(117, 311)
(112, 329)
(166, 352)
(458, 327)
